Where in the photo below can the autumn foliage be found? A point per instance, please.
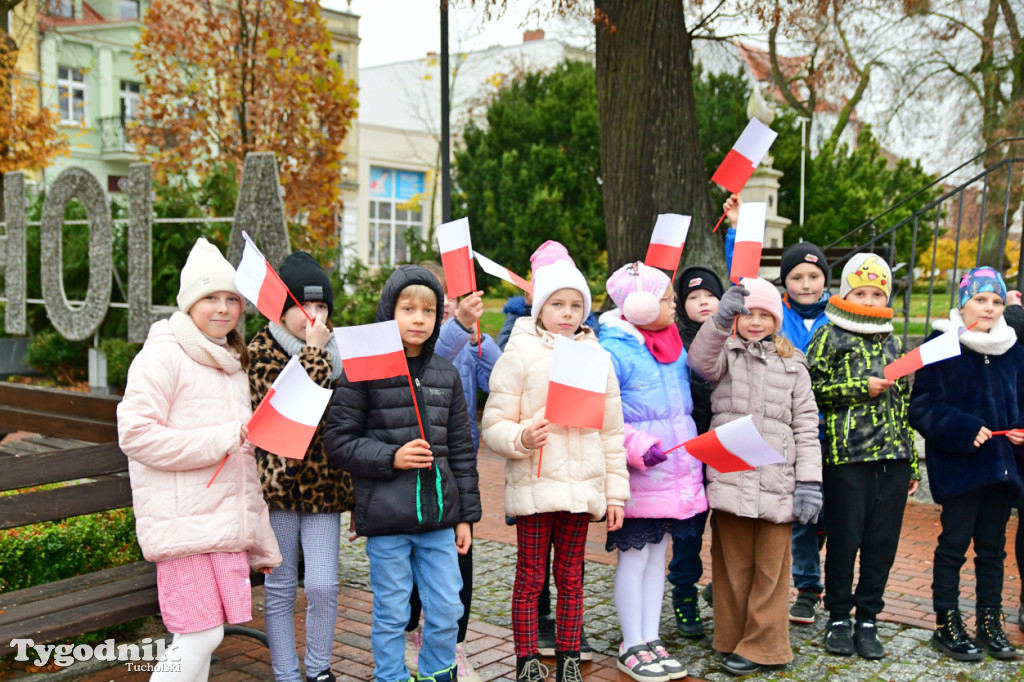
(30, 136)
(226, 78)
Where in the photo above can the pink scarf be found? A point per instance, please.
(665, 344)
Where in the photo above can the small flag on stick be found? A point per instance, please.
(746, 254)
(371, 351)
(744, 157)
(576, 392)
(286, 419)
(942, 347)
(457, 257)
(258, 282)
(667, 241)
(736, 446)
(501, 272)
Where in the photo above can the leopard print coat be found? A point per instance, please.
(308, 485)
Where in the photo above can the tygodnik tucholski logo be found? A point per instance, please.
(145, 657)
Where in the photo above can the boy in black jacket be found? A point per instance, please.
(410, 492)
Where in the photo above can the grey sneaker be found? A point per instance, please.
(805, 608)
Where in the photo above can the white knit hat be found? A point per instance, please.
(558, 275)
(206, 271)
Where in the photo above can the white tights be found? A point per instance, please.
(639, 589)
(187, 659)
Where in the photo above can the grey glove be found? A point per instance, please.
(807, 501)
(733, 303)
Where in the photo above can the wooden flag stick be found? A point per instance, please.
(416, 407)
(540, 458)
(720, 221)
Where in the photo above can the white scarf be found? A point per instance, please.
(198, 347)
(996, 341)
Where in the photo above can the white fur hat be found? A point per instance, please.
(558, 275)
(206, 271)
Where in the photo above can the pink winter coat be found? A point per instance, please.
(184, 404)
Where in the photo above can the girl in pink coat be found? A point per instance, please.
(184, 414)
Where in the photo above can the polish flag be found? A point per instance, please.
(286, 419)
(742, 160)
(371, 351)
(942, 347)
(457, 257)
(667, 241)
(746, 252)
(501, 272)
(258, 282)
(576, 392)
(736, 446)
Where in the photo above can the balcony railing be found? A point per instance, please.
(112, 135)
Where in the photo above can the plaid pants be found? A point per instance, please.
(535, 534)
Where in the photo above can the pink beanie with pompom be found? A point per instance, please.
(637, 290)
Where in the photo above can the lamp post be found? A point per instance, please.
(446, 199)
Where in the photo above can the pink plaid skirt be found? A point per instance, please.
(203, 591)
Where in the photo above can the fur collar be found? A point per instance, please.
(613, 318)
(199, 348)
(997, 341)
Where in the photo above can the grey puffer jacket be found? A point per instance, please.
(751, 378)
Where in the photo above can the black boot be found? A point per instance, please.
(951, 637)
(990, 638)
(530, 669)
(568, 667)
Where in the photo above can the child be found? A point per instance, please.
(183, 415)
(699, 289)
(805, 274)
(870, 460)
(584, 474)
(306, 496)
(410, 492)
(666, 491)
(956, 405)
(458, 343)
(757, 373)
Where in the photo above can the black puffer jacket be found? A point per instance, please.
(367, 421)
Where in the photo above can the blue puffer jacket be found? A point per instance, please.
(656, 408)
(793, 324)
(474, 368)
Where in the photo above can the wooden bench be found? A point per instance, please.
(79, 449)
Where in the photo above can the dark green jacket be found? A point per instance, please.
(859, 428)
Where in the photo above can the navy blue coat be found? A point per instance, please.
(951, 400)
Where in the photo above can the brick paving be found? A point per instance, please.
(905, 628)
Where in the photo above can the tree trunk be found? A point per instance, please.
(651, 160)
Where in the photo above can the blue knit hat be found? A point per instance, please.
(978, 280)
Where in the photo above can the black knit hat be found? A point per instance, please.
(698, 277)
(804, 252)
(306, 280)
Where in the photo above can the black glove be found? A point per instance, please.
(733, 303)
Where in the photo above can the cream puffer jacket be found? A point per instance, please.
(582, 470)
(184, 404)
(751, 378)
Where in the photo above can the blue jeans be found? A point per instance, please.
(685, 567)
(806, 558)
(395, 562)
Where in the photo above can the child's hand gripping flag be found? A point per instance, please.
(746, 255)
(667, 241)
(942, 347)
(744, 157)
(735, 446)
(457, 257)
(287, 417)
(500, 271)
(258, 282)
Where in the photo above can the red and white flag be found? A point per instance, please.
(736, 446)
(746, 252)
(942, 347)
(258, 282)
(286, 419)
(742, 160)
(457, 257)
(500, 271)
(371, 351)
(667, 241)
(576, 392)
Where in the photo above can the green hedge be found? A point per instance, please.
(46, 552)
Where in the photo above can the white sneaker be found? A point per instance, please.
(413, 643)
(466, 671)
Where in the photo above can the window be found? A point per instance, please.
(129, 101)
(71, 94)
(392, 213)
(129, 9)
(61, 8)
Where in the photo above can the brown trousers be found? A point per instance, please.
(750, 565)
